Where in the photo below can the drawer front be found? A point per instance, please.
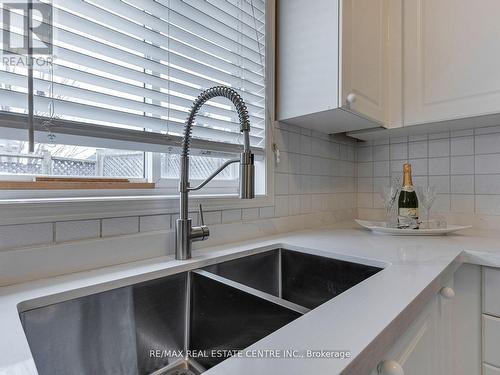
(490, 370)
(491, 295)
(491, 337)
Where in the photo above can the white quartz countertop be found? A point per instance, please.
(363, 320)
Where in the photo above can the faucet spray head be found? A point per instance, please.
(247, 175)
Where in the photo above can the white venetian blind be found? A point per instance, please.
(139, 64)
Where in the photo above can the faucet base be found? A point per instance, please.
(185, 234)
(183, 239)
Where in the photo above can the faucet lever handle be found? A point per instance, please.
(201, 215)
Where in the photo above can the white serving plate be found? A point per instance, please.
(380, 227)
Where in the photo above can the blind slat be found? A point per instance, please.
(153, 94)
(182, 21)
(139, 65)
(156, 38)
(150, 94)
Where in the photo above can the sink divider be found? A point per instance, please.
(257, 293)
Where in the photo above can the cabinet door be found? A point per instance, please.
(417, 349)
(451, 59)
(365, 57)
(307, 69)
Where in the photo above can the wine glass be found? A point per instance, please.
(426, 196)
(389, 195)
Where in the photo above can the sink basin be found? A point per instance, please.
(305, 279)
(185, 323)
(142, 329)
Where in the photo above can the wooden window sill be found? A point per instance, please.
(55, 183)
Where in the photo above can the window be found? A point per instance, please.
(112, 98)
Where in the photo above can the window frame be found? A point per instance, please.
(17, 207)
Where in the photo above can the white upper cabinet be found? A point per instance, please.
(364, 57)
(451, 59)
(333, 59)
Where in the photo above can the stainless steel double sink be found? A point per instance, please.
(187, 322)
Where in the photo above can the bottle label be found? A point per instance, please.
(408, 188)
(408, 212)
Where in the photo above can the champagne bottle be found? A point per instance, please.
(408, 201)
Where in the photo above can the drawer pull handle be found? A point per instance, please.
(447, 292)
(390, 368)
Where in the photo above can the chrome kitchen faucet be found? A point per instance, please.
(185, 233)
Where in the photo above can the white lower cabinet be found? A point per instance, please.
(491, 340)
(445, 338)
(425, 347)
(491, 321)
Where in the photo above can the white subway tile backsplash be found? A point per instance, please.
(462, 165)
(462, 146)
(294, 184)
(399, 151)
(305, 164)
(266, 212)
(365, 185)
(282, 208)
(487, 184)
(442, 184)
(334, 151)
(294, 163)
(283, 165)
(418, 166)
(294, 205)
(364, 154)
(381, 153)
(250, 214)
(462, 133)
(381, 169)
(380, 182)
(282, 182)
(487, 164)
(120, 226)
(231, 216)
(421, 180)
(403, 139)
(418, 137)
(365, 169)
(488, 204)
(418, 150)
(155, 222)
(212, 217)
(441, 204)
(397, 167)
(77, 230)
(487, 144)
(439, 166)
(439, 148)
(463, 184)
(305, 203)
(294, 142)
(462, 203)
(12, 236)
(439, 135)
(347, 152)
(365, 200)
(487, 130)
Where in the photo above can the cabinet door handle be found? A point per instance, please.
(350, 99)
(390, 368)
(447, 292)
